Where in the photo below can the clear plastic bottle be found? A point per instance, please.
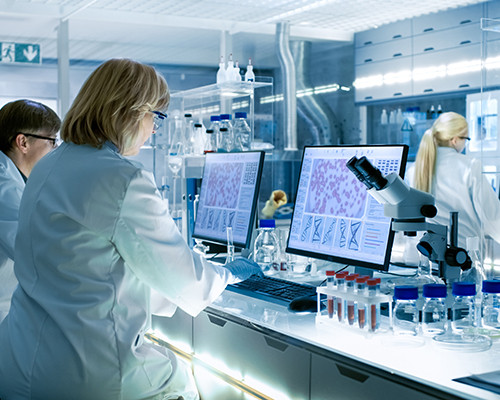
(490, 304)
(221, 72)
(249, 74)
(463, 307)
(373, 289)
(226, 143)
(230, 68)
(211, 142)
(199, 139)
(237, 73)
(215, 126)
(266, 247)
(405, 316)
(242, 132)
(384, 119)
(330, 299)
(434, 309)
(188, 134)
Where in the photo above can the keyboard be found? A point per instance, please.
(274, 290)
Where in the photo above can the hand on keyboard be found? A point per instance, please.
(243, 269)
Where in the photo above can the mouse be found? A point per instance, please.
(304, 304)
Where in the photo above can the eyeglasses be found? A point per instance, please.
(464, 137)
(158, 118)
(55, 141)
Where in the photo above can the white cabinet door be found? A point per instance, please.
(449, 19)
(450, 38)
(383, 51)
(386, 33)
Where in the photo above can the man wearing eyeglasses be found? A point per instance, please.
(28, 131)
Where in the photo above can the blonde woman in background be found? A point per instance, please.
(456, 180)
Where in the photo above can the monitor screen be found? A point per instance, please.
(228, 197)
(334, 217)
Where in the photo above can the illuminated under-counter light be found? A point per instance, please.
(397, 77)
(433, 72)
(463, 67)
(492, 63)
(368, 82)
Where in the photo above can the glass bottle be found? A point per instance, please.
(221, 72)
(215, 126)
(463, 307)
(242, 132)
(226, 143)
(211, 141)
(188, 134)
(434, 309)
(490, 304)
(266, 247)
(249, 74)
(405, 320)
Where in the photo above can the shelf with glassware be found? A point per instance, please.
(185, 140)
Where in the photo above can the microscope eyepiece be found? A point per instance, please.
(351, 165)
(371, 174)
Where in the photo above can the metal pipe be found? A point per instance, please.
(289, 85)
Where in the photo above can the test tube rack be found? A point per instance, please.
(359, 298)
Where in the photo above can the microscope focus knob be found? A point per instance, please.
(428, 210)
(455, 256)
(425, 248)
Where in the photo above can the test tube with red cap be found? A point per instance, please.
(361, 289)
(350, 282)
(340, 287)
(330, 300)
(373, 287)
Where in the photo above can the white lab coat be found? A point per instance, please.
(11, 190)
(94, 239)
(459, 185)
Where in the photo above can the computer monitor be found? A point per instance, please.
(334, 217)
(228, 197)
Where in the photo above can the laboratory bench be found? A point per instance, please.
(261, 348)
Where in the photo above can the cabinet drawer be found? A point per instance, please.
(396, 30)
(449, 19)
(258, 357)
(450, 82)
(383, 51)
(450, 38)
(334, 380)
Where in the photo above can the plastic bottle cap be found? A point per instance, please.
(215, 118)
(372, 282)
(434, 290)
(406, 293)
(188, 115)
(342, 274)
(463, 289)
(378, 280)
(267, 223)
(361, 279)
(209, 131)
(491, 286)
(350, 278)
(198, 125)
(223, 129)
(241, 114)
(330, 273)
(225, 116)
(355, 274)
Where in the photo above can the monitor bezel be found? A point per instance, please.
(344, 260)
(246, 244)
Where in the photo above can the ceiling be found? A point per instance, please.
(193, 32)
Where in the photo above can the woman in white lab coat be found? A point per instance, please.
(28, 131)
(96, 245)
(456, 180)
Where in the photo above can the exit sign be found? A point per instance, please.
(25, 53)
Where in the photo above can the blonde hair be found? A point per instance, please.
(445, 128)
(112, 103)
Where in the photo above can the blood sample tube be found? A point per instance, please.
(340, 287)
(373, 287)
(350, 281)
(330, 300)
(361, 289)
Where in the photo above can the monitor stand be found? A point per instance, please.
(364, 271)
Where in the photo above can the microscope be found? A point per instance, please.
(409, 208)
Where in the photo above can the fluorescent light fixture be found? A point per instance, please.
(368, 82)
(463, 67)
(492, 63)
(240, 104)
(298, 10)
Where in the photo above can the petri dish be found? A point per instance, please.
(465, 343)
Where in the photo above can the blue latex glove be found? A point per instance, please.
(243, 269)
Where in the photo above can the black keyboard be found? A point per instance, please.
(274, 290)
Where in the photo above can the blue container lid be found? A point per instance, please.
(240, 114)
(434, 290)
(492, 286)
(267, 223)
(225, 116)
(463, 289)
(215, 118)
(405, 293)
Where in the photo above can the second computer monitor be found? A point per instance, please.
(334, 217)
(228, 197)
